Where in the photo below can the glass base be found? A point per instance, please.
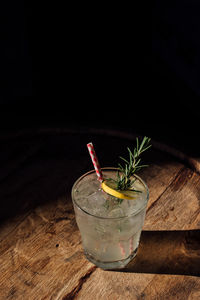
(111, 265)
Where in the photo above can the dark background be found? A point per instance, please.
(129, 68)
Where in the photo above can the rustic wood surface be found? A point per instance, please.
(41, 256)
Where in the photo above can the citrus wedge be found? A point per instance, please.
(110, 188)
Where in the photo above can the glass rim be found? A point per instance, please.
(108, 218)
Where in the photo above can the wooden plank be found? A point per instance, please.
(113, 285)
(164, 287)
(109, 285)
(158, 177)
(43, 255)
(178, 207)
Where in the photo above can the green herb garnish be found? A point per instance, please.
(131, 166)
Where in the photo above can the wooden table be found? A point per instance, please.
(41, 256)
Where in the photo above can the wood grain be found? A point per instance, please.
(41, 256)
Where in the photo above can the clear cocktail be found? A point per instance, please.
(110, 227)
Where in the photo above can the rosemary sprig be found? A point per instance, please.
(131, 166)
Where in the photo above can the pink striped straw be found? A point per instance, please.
(131, 245)
(123, 252)
(95, 161)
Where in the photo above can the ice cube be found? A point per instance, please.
(117, 212)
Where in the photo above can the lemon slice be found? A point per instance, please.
(110, 188)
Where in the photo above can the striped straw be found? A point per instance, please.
(123, 252)
(95, 161)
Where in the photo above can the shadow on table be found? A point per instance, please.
(167, 252)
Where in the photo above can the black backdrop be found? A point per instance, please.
(134, 68)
